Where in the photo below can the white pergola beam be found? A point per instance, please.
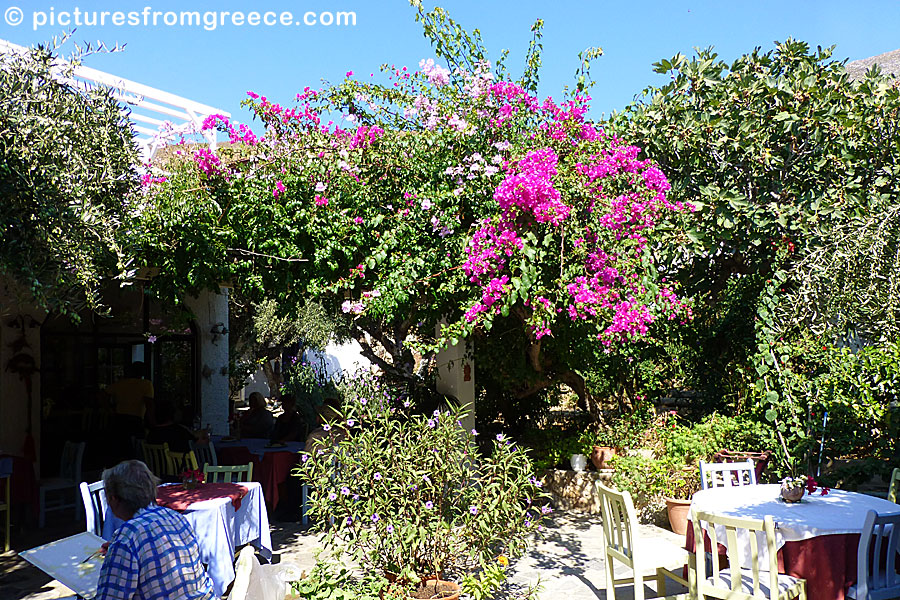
(182, 112)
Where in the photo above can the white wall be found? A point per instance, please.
(456, 377)
(211, 310)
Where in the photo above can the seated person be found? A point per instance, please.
(167, 431)
(154, 554)
(319, 437)
(258, 421)
(289, 426)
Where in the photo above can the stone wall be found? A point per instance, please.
(574, 490)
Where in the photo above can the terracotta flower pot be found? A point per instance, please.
(431, 587)
(434, 588)
(678, 510)
(600, 456)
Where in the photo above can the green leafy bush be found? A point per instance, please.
(409, 495)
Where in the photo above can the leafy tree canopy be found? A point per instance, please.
(66, 167)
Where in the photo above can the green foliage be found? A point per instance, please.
(327, 581)
(810, 377)
(67, 168)
(410, 495)
(308, 381)
(847, 279)
(770, 145)
(677, 448)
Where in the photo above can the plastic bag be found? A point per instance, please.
(254, 581)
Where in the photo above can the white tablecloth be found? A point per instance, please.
(839, 512)
(220, 528)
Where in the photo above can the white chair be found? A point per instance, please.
(745, 578)
(93, 495)
(877, 579)
(69, 478)
(727, 474)
(620, 543)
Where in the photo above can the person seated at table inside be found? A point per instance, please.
(258, 421)
(289, 426)
(167, 431)
(154, 554)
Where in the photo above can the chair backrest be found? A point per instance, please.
(619, 517)
(157, 458)
(879, 542)
(70, 461)
(727, 474)
(228, 474)
(6, 467)
(894, 488)
(745, 551)
(94, 497)
(180, 462)
(205, 453)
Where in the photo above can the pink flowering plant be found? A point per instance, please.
(411, 495)
(443, 193)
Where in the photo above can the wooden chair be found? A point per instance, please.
(158, 459)
(181, 462)
(6, 467)
(877, 578)
(69, 478)
(745, 578)
(620, 543)
(727, 474)
(205, 453)
(93, 495)
(894, 488)
(227, 474)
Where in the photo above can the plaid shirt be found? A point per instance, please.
(154, 556)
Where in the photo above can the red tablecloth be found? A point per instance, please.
(272, 470)
(826, 562)
(178, 498)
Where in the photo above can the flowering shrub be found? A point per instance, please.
(409, 495)
(449, 193)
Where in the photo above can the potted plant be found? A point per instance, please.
(411, 498)
(603, 449)
(683, 481)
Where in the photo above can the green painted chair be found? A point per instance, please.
(894, 488)
(750, 575)
(621, 544)
(228, 474)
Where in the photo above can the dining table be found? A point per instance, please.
(272, 463)
(817, 538)
(222, 516)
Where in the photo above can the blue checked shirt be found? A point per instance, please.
(154, 556)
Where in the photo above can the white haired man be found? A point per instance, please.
(154, 555)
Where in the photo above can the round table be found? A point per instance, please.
(817, 538)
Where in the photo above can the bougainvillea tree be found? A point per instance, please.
(426, 203)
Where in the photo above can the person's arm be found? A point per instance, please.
(119, 574)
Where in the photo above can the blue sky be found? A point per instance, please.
(218, 67)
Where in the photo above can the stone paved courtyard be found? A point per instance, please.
(567, 562)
